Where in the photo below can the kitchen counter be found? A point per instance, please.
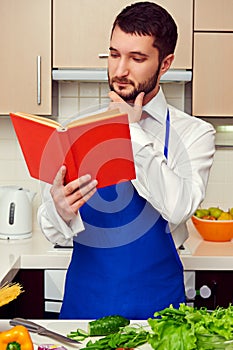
(38, 253)
(63, 327)
(203, 255)
(35, 252)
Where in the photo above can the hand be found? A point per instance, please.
(69, 198)
(134, 111)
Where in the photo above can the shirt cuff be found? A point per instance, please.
(74, 227)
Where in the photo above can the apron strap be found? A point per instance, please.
(167, 134)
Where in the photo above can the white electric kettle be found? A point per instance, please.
(15, 212)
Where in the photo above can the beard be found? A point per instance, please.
(145, 86)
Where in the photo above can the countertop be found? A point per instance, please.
(63, 327)
(37, 252)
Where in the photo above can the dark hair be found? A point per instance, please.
(148, 18)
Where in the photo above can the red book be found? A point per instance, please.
(98, 145)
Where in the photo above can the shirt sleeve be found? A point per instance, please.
(175, 186)
(52, 225)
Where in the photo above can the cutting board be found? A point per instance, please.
(64, 327)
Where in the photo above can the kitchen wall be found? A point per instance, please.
(72, 97)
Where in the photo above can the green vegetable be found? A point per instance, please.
(78, 335)
(102, 326)
(126, 337)
(186, 328)
(107, 325)
(177, 329)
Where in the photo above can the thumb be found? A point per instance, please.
(60, 176)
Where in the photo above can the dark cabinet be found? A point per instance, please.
(221, 286)
(29, 304)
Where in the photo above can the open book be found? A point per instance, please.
(98, 145)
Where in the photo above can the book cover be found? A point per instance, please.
(98, 145)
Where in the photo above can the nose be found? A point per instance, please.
(122, 69)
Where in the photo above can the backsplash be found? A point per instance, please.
(73, 97)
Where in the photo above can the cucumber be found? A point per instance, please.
(107, 325)
(78, 335)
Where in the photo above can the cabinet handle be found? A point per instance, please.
(204, 292)
(38, 80)
(103, 55)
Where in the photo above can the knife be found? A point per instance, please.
(36, 328)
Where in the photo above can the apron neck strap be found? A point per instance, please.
(167, 134)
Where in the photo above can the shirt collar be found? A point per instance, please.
(157, 107)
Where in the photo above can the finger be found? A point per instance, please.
(81, 201)
(114, 97)
(60, 176)
(139, 99)
(83, 191)
(79, 198)
(75, 185)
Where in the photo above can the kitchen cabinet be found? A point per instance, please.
(42, 296)
(25, 60)
(212, 59)
(29, 304)
(221, 286)
(212, 15)
(54, 283)
(81, 31)
(212, 75)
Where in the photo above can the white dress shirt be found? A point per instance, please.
(175, 186)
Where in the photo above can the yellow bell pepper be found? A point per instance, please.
(16, 338)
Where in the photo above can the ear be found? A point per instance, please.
(166, 64)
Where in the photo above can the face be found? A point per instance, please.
(133, 65)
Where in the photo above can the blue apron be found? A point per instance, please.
(125, 262)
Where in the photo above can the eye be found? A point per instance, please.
(139, 59)
(114, 54)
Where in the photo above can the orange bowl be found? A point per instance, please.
(214, 230)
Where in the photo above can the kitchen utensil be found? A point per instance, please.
(15, 212)
(36, 328)
(214, 230)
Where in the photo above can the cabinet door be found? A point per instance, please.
(213, 74)
(29, 304)
(213, 15)
(221, 286)
(81, 31)
(25, 60)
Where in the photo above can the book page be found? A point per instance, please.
(94, 117)
(42, 120)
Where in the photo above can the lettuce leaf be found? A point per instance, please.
(178, 329)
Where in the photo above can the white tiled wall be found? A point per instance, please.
(76, 97)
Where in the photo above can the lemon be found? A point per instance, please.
(225, 216)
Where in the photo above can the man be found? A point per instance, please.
(125, 237)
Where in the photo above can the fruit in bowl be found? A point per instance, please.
(214, 224)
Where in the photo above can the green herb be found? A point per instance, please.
(126, 337)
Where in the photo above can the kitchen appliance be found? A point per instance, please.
(15, 212)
